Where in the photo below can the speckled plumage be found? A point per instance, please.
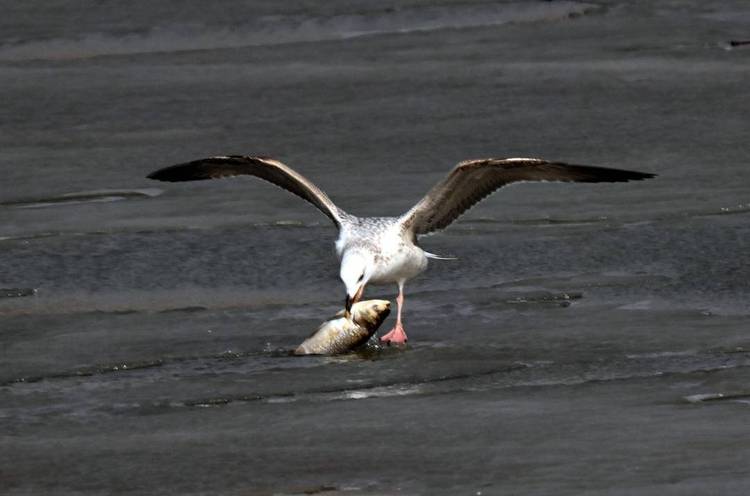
(393, 249)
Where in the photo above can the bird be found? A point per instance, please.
(385, 250)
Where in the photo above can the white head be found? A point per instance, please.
(356, 269)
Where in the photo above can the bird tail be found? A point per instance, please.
(438, 257)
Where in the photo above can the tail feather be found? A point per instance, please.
(438, 257)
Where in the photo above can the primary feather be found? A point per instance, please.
(472, 180)
(265, 168)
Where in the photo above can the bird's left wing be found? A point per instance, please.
(472, 180)
(265, 168)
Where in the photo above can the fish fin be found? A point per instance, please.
(438, 257)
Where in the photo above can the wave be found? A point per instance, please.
(500, 376)
(282, 29)
(740, 397)
(475, 223)
(95, 196)
(17, 292)
(288, 302)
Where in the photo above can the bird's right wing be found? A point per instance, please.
(472, 180)
(269, 169)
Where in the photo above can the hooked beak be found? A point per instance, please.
(351, 300)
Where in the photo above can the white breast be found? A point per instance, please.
(398, 258)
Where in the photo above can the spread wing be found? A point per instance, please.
(472, 180)
(265, 168)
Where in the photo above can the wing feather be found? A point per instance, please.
(472, 180)
(269, 169)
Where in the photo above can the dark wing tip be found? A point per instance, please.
(591, 174)
(207, 168)
(174, 173)
(620, 175)
(644, 175)
(157, 175)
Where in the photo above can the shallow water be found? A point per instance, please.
(590, 339)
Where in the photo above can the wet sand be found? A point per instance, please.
(589, 340)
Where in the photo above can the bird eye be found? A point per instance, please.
(360, 278)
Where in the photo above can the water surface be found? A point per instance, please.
(590, 339)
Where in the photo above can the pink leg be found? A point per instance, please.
(397, 334)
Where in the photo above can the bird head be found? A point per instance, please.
(356, 268)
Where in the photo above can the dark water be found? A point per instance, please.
(590, 339)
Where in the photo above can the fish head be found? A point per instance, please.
(371, 313)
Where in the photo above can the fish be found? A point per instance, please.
(340, 334)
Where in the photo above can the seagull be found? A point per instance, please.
(384, 250)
